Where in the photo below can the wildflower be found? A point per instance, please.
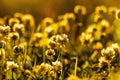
(50, 53)
(13, 21)
(57, 65)
(116, 47)
(86, 38)
(28, 21)
(108, 53)
(14, 36)
(102, 62)
(18, 16)
(69, 16)
(45, 67)
(62, 39)
(52, 44)
(100, 9)
(5, 30)
(37, 36)
(20, 28)
(11, 65)
(47, 21)
(80, 9)
(18, 49)
(2, 44)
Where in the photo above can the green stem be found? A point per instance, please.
(12, 75)
(62, 66)
(76, 65)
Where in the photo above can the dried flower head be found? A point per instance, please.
(45, 67)
(52, 44)
(18, 49)
(86, 38)
(79, 9)
(69, 16)
(60, 40)
(13, 21)
(5, 30)
(18, 16)
(57, 65)
(102, 59)
(47, 21)
(37, 36)
(100, 9)
(50, 52)
(12, 65)
(20, 28)
(28, 20)
(108, 53)
(116, 47)
(14, 35)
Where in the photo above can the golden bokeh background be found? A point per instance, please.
(52, 8)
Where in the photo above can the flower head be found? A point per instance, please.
(108, 53)
(5, 30)
(80, 9)
(11, 65)
(14, 36)
(20, 28)
(100, 9)
(18, 49)
(57, 65)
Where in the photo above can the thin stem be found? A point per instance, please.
(62, 63)
(12, 75)
(76, 65)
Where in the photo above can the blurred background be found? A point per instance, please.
(49, 8)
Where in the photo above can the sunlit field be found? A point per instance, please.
(72, 42)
